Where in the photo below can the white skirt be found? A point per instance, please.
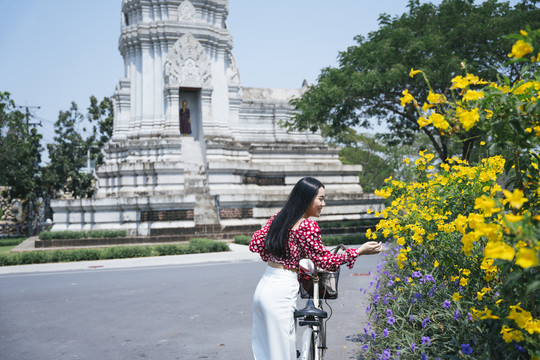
(274, 303)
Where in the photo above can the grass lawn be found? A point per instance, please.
(7, 244)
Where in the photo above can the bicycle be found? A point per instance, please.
(313, 317)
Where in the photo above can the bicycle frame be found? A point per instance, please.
(314, 336)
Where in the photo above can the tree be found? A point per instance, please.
(380, 161)
(103, 116)
(20, 152)
(68, 155)
(453, 38)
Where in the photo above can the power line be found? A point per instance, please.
(28, 115)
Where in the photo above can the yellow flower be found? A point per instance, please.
(436, 264)
(526, 258)
(520, 49)
(383, 193)
(407, 98)
(406, 161)
(523, 319)
(511, 218)
(516, 198)
(439, 121)
(489, 114)
(427, 106)
(499, 250)
(436, 98)
(471, 95)
(459, 82)
(466, 272)
(456, 297)
(486, 204)
(414, 72)
(487, 314)
(463, 281)
(523, 32)
(480, 294)
(422, 121)
(467, 118)
(509, 334)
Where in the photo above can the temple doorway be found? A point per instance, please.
(189, 114)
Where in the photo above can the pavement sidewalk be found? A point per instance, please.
(237, 253)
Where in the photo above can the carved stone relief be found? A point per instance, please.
(187, 64)
(187, 12)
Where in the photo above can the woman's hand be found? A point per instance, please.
(370, 248)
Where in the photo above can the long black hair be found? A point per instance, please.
(277, 239)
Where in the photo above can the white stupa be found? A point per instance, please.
(230, 166)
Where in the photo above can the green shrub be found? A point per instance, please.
(124, 252)
(69, 234)
(354, 239)
(118, 252)
(11, 242)
(242, 239)
(349, 223)
(171, 249)
(207, 245)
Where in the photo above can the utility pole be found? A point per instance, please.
(28, 115)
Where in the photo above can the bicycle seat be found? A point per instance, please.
(310, 310)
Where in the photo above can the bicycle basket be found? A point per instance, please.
(328, 284)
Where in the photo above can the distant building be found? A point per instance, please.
(191, 147)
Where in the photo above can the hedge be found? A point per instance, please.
(68, 234)
(195, 246)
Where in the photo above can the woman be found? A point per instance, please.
(285, 239)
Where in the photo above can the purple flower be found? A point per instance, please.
(390, 283)
(416, 274)
(391, 320)
(413, 346)
(425, 340)
(411, 318)
(385, 332)
(519, 348)
(389, 312)
(424, 356)
(365, 347)
(446, 304)
(373, 335)
(424, 323)
(427, 278)
(456, 315)
(466, 349)
(386, 354)
(470, 317)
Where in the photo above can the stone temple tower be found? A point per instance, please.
(192, 150)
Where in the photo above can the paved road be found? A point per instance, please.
(180, 311)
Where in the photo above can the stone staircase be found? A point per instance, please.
(196, 182)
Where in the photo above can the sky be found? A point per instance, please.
(56, 52)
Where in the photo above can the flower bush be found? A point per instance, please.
(460, 278)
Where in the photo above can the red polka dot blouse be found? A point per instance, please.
(304, 242)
